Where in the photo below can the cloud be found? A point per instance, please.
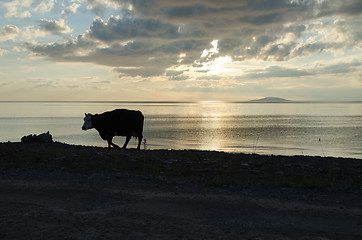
(100, 6)
(148, 37)
(347, 7)
(53, 26)
(173, 73)
(290, 73)
(185, 11)
(73, 50)
(340, 68)
(30, 32)
(3, 52)
(179, 78)
(45, 6)
(276, 72)
(8, 32)
(148, 44)
(210, 78)
(43, 82)
(139, 72)
(71, 9)
(117, 29)
(15, 8)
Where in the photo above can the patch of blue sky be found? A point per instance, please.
(323, 56)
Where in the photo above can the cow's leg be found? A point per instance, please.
(139, 141)
(110, 143)
(127, 141)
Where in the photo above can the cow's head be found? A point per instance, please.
(87, 122)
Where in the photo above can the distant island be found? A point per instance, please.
(271, 100)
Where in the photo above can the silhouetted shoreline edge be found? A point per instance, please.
(212, 167)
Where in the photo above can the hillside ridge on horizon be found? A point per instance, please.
(271, 99)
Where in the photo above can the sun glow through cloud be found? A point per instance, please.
(167, 50)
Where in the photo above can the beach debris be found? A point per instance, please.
(41, 138)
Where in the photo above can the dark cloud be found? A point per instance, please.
(53, 26)
(185, 11)
(346, 7)
(263, 19)
(340, 68)
(67, 51)
(151, 35)
(173, 73)
(179, 78)
(284, 72)
(316, 47)
(126, 29)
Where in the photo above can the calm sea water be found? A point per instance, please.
(323, 129)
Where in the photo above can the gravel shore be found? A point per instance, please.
(60, 191)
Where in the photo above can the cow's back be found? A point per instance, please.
(123, 121)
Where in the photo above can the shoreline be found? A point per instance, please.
(211, 167)
(60, 191)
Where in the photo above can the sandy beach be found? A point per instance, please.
(60, 191)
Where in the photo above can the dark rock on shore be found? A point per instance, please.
(41, 138)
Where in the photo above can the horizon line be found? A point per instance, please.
(201, 101)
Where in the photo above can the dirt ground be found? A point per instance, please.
(45, 205)
(56, 204)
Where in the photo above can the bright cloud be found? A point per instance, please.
(8, 32)
(2, 51)
(16, 8)
(71, 9)
(45, 6)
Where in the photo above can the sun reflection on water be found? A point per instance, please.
(212, 121)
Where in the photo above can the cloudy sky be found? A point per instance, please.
(163, 50)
